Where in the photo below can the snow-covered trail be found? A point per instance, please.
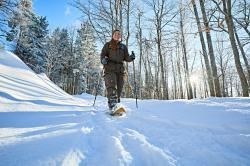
(41, 125)
(188, 133)
(72, 138)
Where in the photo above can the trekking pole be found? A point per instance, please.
(135, 84)
(98, 83)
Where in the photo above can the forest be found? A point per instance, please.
(184, 49)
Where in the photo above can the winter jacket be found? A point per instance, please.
(115, 58)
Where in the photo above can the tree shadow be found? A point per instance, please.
(44, 138)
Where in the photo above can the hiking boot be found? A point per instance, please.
(112, 102)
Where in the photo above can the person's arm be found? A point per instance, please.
(104, 55)
(127, 57)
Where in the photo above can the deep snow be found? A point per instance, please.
(42, 125)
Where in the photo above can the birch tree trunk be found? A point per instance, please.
(139, 38)
(127, 39)
(179, 72)
(185, 62)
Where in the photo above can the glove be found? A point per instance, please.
(132, 56)
(105, 60)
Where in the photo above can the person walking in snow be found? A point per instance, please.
(113, 55)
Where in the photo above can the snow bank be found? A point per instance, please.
(18, 83)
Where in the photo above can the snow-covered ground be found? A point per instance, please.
(40, 125)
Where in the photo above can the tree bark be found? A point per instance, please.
(204, 51)
(185, 62)
(139, 38)
(181, 95)
(243, 54)
(211, 52)
(230, 24)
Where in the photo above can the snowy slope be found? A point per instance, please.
(19, 83)
(41, 125)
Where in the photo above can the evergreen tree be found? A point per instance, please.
(53, 59)
(31, 41)
(81, 83)
(7, 23)
(59, 58)
(85, 51)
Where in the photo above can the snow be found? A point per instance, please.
(40, 124)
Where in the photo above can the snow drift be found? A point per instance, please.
(19, 83)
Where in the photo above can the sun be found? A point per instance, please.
(195, 79)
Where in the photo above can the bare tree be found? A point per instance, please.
(164, 13)
(244, 16)
(184, 51)
(227, 11)
(104, 16)
(174, 74)
(204, 50)
(140, 44)
(210, 48)
(224, 57)
(243, 54)
(204, 77)
(148, 61)
(178, 64)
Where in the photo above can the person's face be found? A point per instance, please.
(117, 36)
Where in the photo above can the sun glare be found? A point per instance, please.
(195, 79)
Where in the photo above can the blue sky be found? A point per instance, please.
(59, 13)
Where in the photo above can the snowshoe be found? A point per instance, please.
(117, 110)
